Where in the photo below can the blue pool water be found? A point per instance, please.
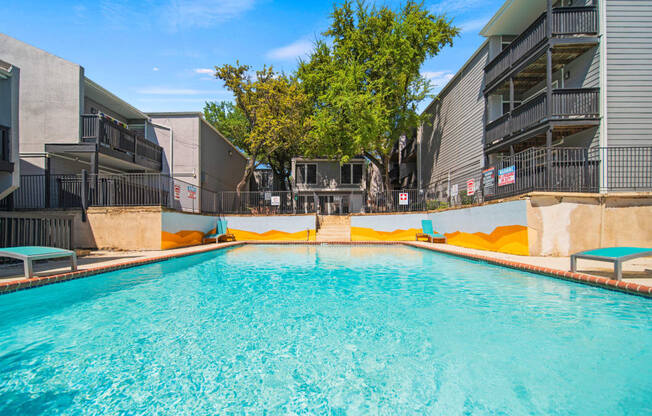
(324, 330)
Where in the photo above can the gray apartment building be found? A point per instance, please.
(9, 156)
(69, 124)
(559, 90)
(328, 187)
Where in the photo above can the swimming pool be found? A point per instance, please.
(324, 329)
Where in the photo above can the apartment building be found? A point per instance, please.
(9, 156)
(196, 152)
(559, 91)
(69, 124)
(328, 187)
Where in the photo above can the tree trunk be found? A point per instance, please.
(249, 169)
(388, 185)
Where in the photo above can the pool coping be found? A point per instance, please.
(602, 282)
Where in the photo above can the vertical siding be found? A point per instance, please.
(452, 139)
(629, 72)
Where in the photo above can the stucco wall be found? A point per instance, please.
(186, 145)
(563, 225)
(124, 228)
(497, 227)
(184, 229)
(280, 227)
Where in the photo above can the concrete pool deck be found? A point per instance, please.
(637, 273)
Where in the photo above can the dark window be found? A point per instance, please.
(4, 143)
(346, 173)
(312, 174)
(351, 173)
(306, 174)
(357, 173)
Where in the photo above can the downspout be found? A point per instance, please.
(604, 133)
(171, 160)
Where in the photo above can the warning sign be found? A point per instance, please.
(192, 192)
(470, 187)
(507, 176)
(177, 192)
(403, 198)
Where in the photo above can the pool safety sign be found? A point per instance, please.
(507, 176)
(403, 198)
(268, 196)
(276, 201)
(177, 192)
(192, 192)
(488, 177)
(454, 190)
(470, 187)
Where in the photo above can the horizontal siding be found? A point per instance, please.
(629, 72)
(451, 141)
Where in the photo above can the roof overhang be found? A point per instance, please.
(513, 17)
(102, 96)
(5, 69)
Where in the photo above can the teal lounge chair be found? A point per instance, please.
(430, 234)
(30, 253)
(220, 234)
(615, 255)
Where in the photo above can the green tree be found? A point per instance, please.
(276, 112)
(364, 79)
(229, 120)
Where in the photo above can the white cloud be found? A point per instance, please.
(155, 69)
(438, 78)
(204, 71)
(292, 51)
(202, 13)
(474, 25)
(177, 91)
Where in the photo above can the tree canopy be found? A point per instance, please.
(229, 120)
(275, 112)
(363, 79)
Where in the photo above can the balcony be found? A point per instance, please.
(409, 152)
(569, 25)
(570, 107)
(121, 142)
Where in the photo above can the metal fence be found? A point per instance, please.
(21, 229)
(557, 169)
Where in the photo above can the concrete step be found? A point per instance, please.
(334, 231)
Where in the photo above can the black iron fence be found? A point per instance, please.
(610, 169)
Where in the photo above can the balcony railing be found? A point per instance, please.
(97, 129)
(566, 21)
(567, 104)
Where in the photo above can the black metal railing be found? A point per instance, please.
(558, 169)
(21, 229)
(566, 21)
(97, 129)
(575, 104)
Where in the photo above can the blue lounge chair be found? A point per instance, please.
(220, 234)
(615, 255)
(430, 234)
(30, 253)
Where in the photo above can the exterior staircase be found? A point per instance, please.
(333, 228)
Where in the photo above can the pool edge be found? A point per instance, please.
(17, 285)
(596, 281)
(587, 279)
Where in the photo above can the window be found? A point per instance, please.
(306, 173)
(351, 173)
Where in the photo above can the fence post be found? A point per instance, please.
(84, 193)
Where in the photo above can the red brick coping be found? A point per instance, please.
(587, 279)
(630, 288)
(13, 286)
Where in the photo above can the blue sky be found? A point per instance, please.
(158, 54)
